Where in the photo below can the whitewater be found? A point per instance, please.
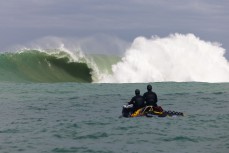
(176, 58)
(180, 58)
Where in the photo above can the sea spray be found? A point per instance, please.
(179, 57)
(79, 50)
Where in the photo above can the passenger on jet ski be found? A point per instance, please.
(150, 97)
(137, 101)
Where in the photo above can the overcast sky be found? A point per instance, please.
(22, 21)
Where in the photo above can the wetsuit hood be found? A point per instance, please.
(137, 92)
(149, 87)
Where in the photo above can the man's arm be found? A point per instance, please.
(131, 101)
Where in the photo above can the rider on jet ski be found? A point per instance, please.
(137, 101)
(150, 97)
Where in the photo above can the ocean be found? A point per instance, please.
(61, 100)
(85, 117)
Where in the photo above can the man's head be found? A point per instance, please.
(149, 87)
(137, 92)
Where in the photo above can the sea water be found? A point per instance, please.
(85, 117)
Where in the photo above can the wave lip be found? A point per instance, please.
(37, 66)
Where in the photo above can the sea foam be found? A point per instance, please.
(178, 57)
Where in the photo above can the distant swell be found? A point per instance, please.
(37, 66)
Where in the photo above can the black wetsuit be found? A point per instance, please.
(138, 102)
(150, 98)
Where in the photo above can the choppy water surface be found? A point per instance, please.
(72, 117)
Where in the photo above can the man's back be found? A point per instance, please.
(150, 98)
(138, 102)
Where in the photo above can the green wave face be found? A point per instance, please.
(105, 62)
(36, 66)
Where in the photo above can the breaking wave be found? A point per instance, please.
(178, 57)
(37, 66)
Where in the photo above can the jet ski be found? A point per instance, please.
(148, 111)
